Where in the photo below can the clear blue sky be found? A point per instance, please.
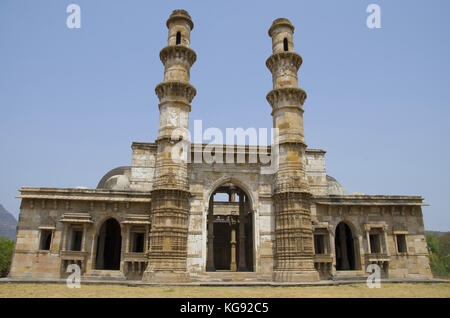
(72, 101)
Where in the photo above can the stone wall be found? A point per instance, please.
(143, 161)
(316, 172)
(396, 218)
(60, 210)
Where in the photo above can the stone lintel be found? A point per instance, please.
(369, 200)
(74, 194)
(143, 145)
(195, 147)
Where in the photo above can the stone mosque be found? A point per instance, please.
(163, 220)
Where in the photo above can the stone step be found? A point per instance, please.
(104, 275)
(228, 276)
(358, 275)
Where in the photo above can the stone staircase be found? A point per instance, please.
(231, 277)
(104, 275)
(356, 275)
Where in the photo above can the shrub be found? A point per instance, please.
(6, 252)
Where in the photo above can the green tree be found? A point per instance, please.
(438, 249)
(6, 252)
(444, 250)
(433, 243)
(444, 244)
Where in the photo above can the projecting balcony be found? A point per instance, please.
(135, 257)
(323, 258)
(73, 255)
(377, 257)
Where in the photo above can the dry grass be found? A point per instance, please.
(12, 290)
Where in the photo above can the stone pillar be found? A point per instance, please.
(146, 239)
(170, 193)
(291, 195)
(233, 245)
(358, 251)
(232, 196)
(332, 250)
(242, 215)
(65, 233)
(210, 248)
(127, 238)
(386, 246)
(83, 240)
(368, 241)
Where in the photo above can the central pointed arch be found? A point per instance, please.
(230, 226)
(235, 181)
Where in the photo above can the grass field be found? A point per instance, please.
(343, 291)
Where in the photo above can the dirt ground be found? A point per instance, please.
(13, 290)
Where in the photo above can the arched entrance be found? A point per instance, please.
(230, 230)
(345, 248)
(109, 244)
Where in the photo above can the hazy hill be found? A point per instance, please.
(8, 224)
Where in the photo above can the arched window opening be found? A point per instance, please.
(109, 243)
(345, 248)
(178, 38)
(285, 44)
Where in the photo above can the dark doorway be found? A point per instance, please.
(345, 248)
(222, 247)
(109, 245)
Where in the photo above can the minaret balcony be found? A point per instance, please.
(287, 96)
(174, 54)
(284, 60)
(175, 90)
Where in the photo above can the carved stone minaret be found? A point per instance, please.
(291, 196)
(170, 193)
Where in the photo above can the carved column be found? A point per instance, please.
(83, 240)
(242, 217)
(210, 248)
(386, 246)
(367, 229)
(233, 244)
(65, 233)
(127, 238)
(146, 239)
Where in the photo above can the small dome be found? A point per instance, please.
(280, 22)
(119, 182)
(116, 179)
(334, 187)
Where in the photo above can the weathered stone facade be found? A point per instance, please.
(159, 220)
